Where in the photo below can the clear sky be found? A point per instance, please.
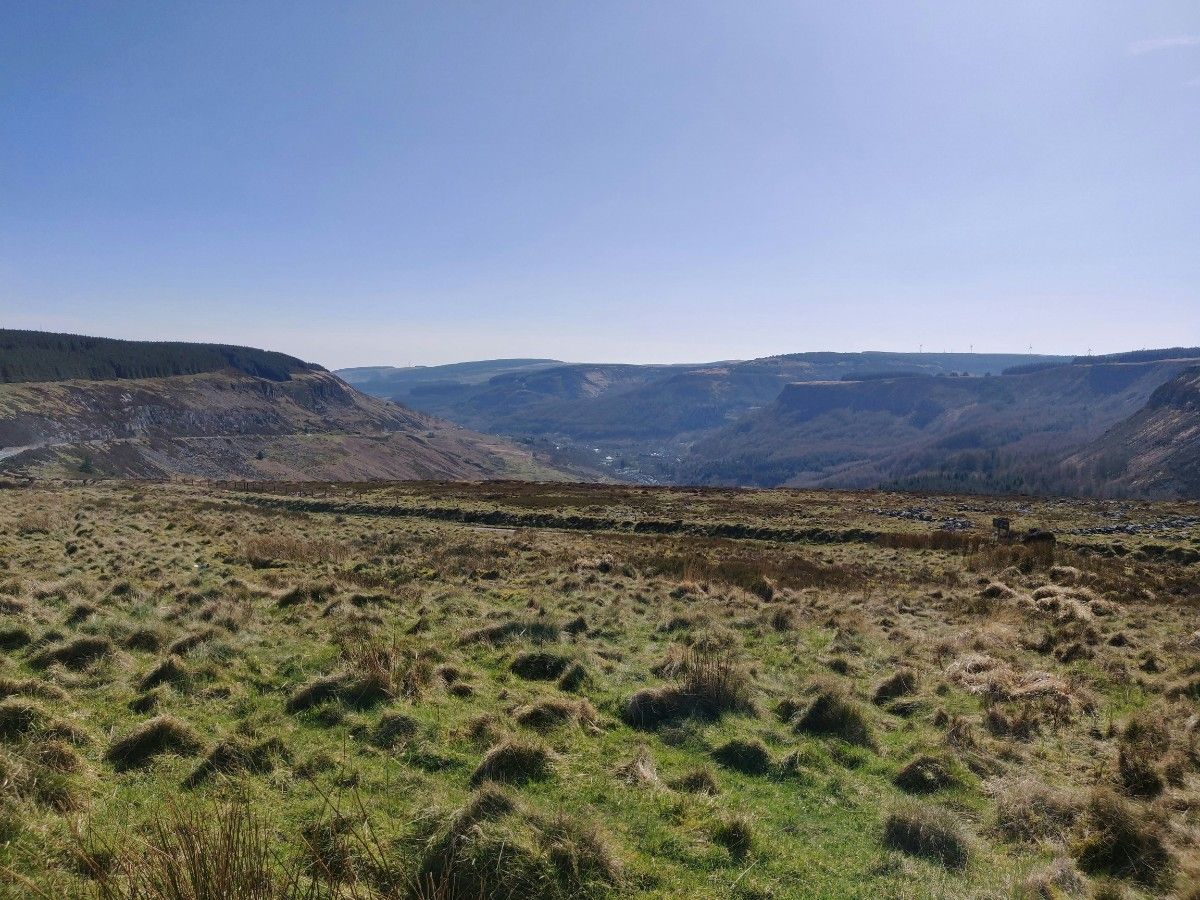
(397, 183)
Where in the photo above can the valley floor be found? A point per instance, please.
(548, 691)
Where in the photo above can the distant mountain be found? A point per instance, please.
(1012, 432)
(640, 421)
(390, 381)
(71, 405)
(1156, 451)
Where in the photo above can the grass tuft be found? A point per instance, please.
(833, 713)
(154, 737)
(930, 832)
(514, 761)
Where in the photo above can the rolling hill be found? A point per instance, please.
(640, 421)
(152, 410)
(1156, 451)
(1013, 432)
(1117, 424)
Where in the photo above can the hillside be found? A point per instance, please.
(640, 420)
(31, 356)
(254, 415)
(1004, 433)
(1157, 450)
(393, 381)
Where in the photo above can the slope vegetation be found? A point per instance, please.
(644, 417)
(249, 415)
(1157, 450)
(44, 356)
(1006, 433)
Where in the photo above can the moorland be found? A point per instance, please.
(548, 691)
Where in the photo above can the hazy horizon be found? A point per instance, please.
(399, 184)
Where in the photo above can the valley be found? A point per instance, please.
(965, 422)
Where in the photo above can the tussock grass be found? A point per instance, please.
(750, 757)
(540, 665)
(554, 712)
(534, 630)
(931, 832)
(1122, 841)
(380, 777)
(1027, 810)
(833, 713)
(926, 774)
(237, 754)
(712, 685)
(698, 781)
(899, 684)
(514, 761)
(171, 670)
(493, 848)
(162, 734)
(736, 834)
(77, 653)
(193, 854)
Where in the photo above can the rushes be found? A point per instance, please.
(712, 685)
(194, 854)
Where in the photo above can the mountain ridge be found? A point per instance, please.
(234, 412)
(979, 422)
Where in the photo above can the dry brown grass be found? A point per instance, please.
(267, 549)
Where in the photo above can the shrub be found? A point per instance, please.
(832, 713)
(930, 832)
(1120, 843)
(162, 734)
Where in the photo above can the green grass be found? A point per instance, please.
(404, 602)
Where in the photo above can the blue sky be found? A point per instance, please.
(399, 183)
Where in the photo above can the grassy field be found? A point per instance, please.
(507, 690)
